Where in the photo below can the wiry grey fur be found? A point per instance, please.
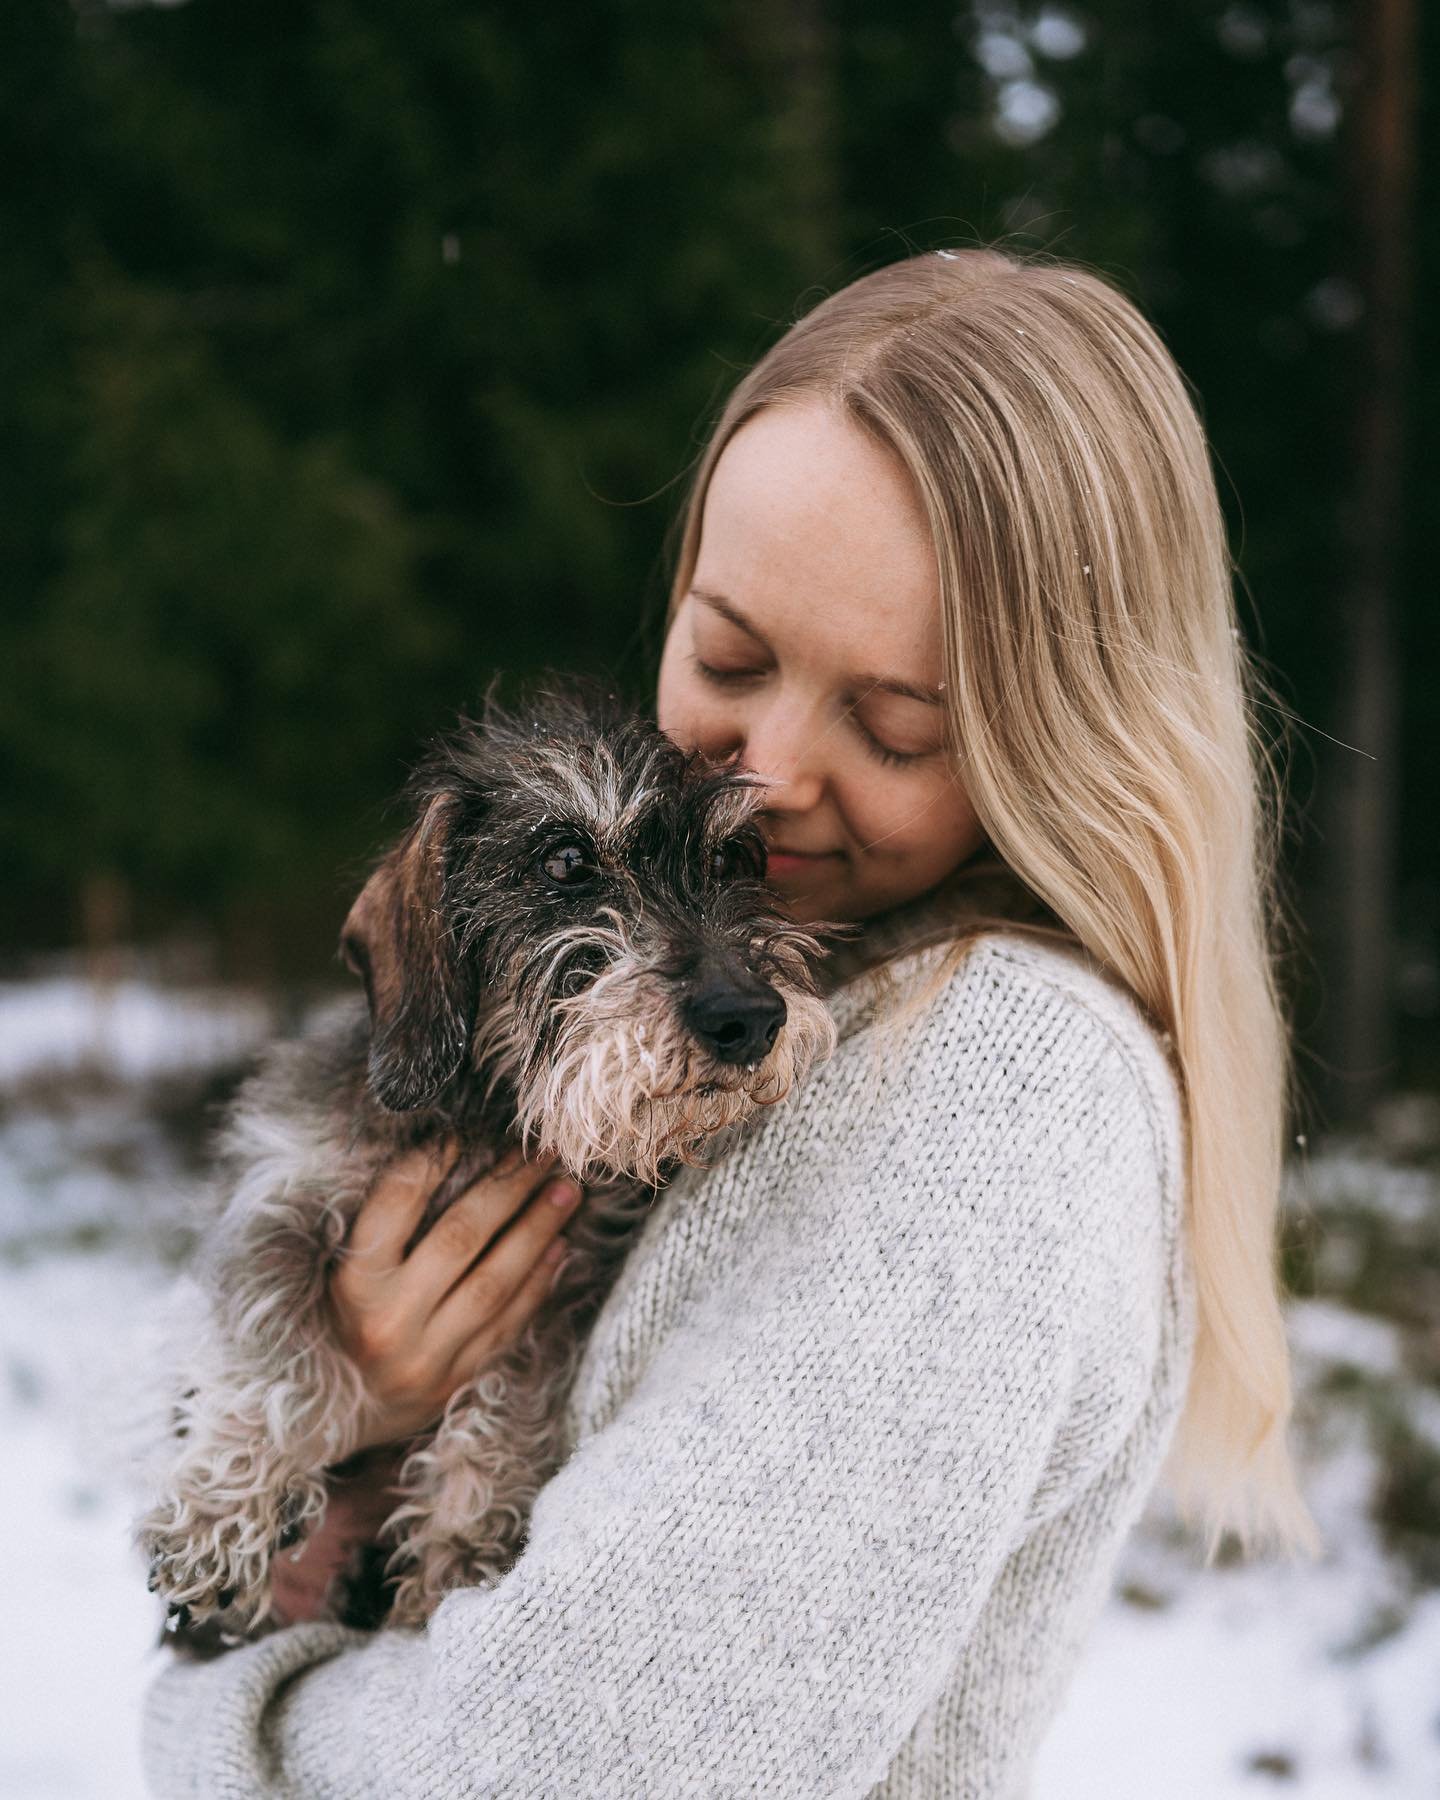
(503, 1008)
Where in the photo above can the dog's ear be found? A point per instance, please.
(398, 939)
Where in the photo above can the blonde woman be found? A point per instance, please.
(863, 1426)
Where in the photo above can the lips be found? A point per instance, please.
(800, 867)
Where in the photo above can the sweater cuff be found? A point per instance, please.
(201, 1721)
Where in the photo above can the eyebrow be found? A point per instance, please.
(890, 684)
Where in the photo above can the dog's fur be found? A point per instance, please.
(510, 1000)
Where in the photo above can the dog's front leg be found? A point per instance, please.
(273, 1400)
(469, 1490)
(232, 1498)
(253, 1437)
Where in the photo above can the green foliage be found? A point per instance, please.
(356, 351)
(206, 676)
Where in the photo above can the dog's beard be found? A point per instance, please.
(625, 1088)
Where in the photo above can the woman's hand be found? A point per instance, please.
(360, 1502)
(419, 1326)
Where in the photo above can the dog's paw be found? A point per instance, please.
(210, 1564)
(201, 1582)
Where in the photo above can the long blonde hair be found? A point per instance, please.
(1101, 712)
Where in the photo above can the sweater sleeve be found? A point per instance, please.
(755, 1577)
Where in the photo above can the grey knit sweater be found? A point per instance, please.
(857, 1439)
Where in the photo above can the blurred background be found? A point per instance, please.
(354, 352)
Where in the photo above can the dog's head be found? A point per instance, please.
(578, 912)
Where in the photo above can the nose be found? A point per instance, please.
(778, 745)
(736, 1016)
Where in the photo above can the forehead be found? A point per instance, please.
(627, 790)
(808, 519)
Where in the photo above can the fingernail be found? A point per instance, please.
(562, 1193)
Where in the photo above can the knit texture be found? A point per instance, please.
(856, 1442)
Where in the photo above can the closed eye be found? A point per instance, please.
(735, 677)
(725, 677)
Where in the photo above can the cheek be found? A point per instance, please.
(687, 711)
(921, 820)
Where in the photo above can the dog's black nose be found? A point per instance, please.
(736, 1019)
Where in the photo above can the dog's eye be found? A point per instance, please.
(568, 866)
(735, 859)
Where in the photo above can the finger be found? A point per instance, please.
(482, 1297)
(393, 1207)
(464, 1230)
(502, 1331)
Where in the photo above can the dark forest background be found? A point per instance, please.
(354, 351)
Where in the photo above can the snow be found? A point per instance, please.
(75, 1661)
(130, 1027)
(1252, 1673)
(1198, 1684)
(1334, 1334)
(1247, 1672)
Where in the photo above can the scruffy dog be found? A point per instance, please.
(571, 949)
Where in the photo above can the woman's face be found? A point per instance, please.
(809, 643)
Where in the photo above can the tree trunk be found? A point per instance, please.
(1360, 845)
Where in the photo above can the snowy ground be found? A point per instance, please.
(1198, 1684)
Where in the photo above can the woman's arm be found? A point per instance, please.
(756, 1577)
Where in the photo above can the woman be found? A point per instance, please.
(863, 1426)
